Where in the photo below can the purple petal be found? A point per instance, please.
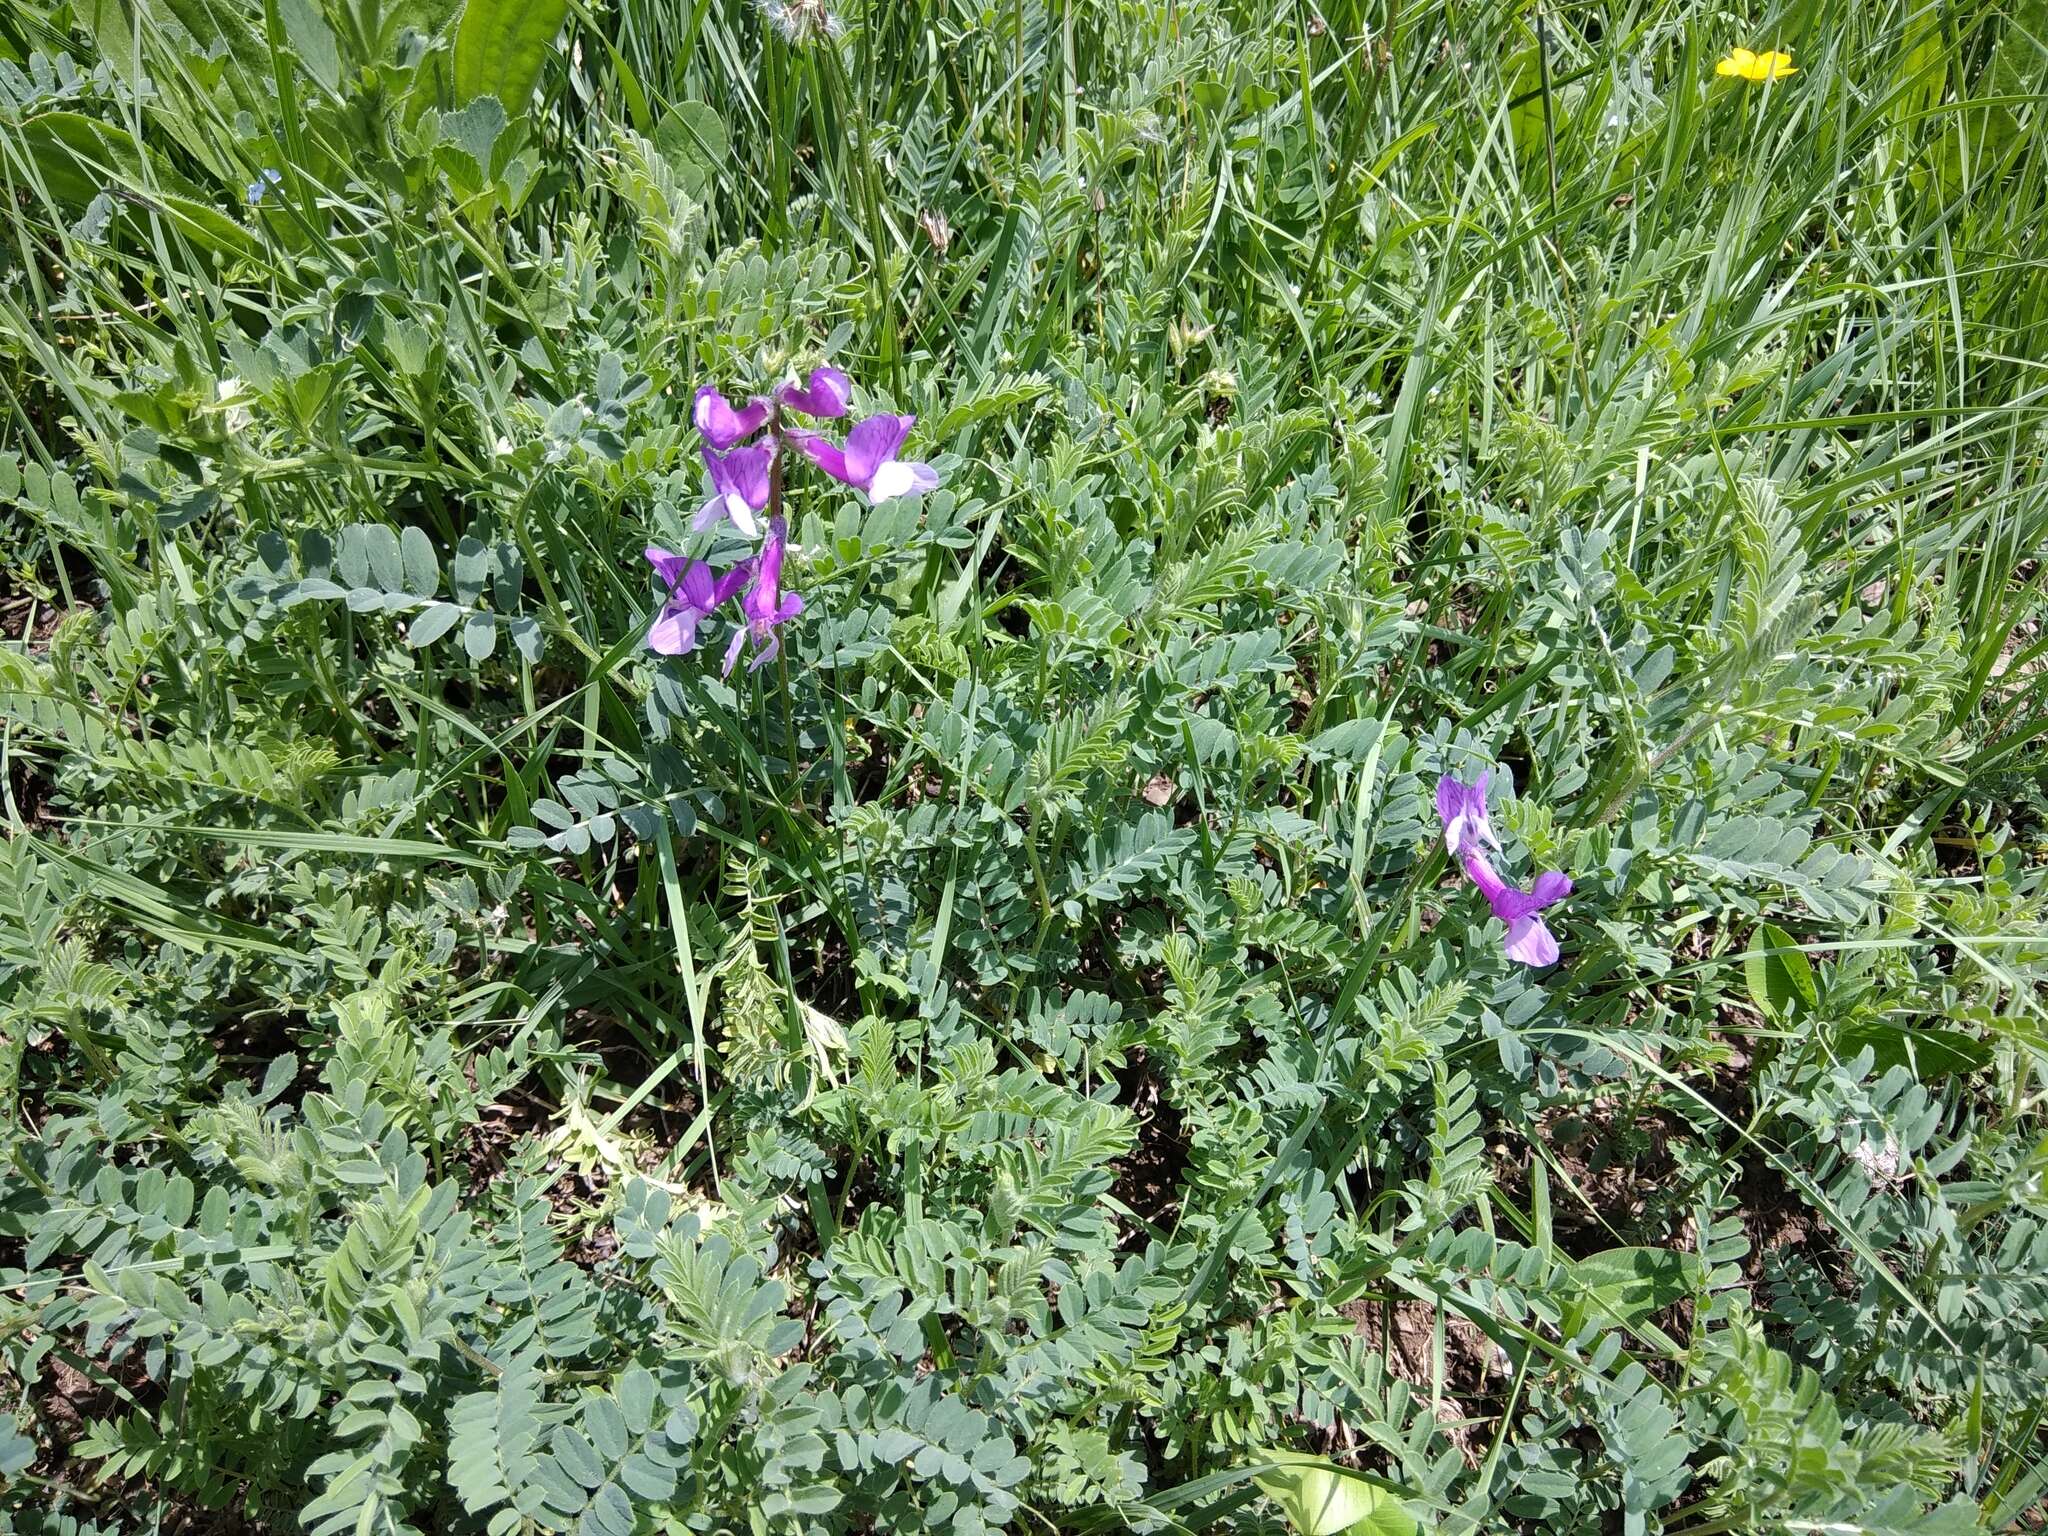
(792, 605)
(742, 473)
(708, 515)
(721, 425)
(1491, 886)
(872, 444)
(696, 587)
(1450, 800)
(771, 647)
(730, 583)
(825, 455)
(768, 564)
(1551, 888)
(667, 566)
(1454, 805)
(674, 632)
(1531, 942)
(826, 393)
(732, 652)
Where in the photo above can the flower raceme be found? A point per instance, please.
(745, 481)
(1462, 809)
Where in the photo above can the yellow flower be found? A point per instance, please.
(1756, 67)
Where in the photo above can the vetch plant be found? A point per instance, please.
(746, 478)
(988, 1070)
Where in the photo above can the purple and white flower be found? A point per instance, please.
(746, 480)
(1462, 808)
(694, 589)
(739, 488)
(764, 605)
(826, 393)
(868, 462)
(721, 425)
(1529, 937)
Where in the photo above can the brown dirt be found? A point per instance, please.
(1621, 1166)
(1473, 1370)
(1774, 1218)
(69, 1399)
(1149, 1180)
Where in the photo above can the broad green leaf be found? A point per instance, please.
(694, 133)
(500, 46)
(1780, 978)
(422, 569)
(474, 131)
(17, 1450)
(1624, 1284)
(312, 40)
(434, 621)
(480, 636)
(76, 158)
(1928, 1051)
(1320, 1498)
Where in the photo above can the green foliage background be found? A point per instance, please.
(1025, 1064)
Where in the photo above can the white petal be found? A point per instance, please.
(892, 478)
(742, 515)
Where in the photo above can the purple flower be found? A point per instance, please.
(869, 462)
(825, 394)
(765, 605)
(694, 589)
(739, 488)
(721, 425)
(1463, 809)
(1529, 937)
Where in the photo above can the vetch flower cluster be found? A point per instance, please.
(1467, 834)
(745, 468)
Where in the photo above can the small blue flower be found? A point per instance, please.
(263, 183)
